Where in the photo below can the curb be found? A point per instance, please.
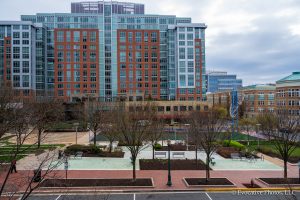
(250, 189)
(161, 191)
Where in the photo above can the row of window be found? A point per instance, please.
(139, 47)
(76, 36)
(138, 85)
(76, 66)
(138, 37)
(61, 93)
(77, 85)
(77, 56)
(251, 109)
(76, 47)
(18, 27)
(179, 108)
(186, 53)
(289, 93)
(18, 42)
(17, 82)
(17, 35)
(69, 79)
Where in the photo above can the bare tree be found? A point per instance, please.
(44, 168)
(247, 124)
(21, 130)
(156, 133)
(207, 127)
(45, 115)
(283, 133)
(95, 121)
(267, 122)
(109, 127)
(8, 103)
(134, 128)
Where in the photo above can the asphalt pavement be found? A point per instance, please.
(239, 195)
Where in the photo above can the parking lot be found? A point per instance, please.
(249, 195)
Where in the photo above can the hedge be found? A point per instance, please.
(234, 144)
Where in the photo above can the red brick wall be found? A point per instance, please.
(84, 65)
(131, 47)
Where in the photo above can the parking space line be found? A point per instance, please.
(58, 197)
(133, 196)
(208, 196)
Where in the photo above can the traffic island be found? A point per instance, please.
(58, 183)
(275, 182)
(213, 182)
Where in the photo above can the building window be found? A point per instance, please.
(60, 36)
(181, 53)
(76, 36)
(93, 36)
(138, 37)
(182, 80)
(154, 37)
(181, 36)
(25, 35)
(175, 108)
(190, 53)
(182, 108)
(160, 108)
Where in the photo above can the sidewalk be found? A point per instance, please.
(159, 177)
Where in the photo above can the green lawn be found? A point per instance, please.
(271, 148)
(268, 148)
(243, 137)
(8, 151)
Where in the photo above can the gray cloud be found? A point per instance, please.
(258, 40)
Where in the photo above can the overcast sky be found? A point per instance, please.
(259, 40)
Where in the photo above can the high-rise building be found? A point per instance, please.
(109, 49)
(218, 81)
(23, 57)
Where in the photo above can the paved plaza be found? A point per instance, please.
(103, 163)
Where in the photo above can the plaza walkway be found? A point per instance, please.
(159, 177)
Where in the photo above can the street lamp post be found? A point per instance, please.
(66, 166)
(257, 134)
(299, 170)
(169, 183)
(187, 136)
(76, 127)
(89, 128)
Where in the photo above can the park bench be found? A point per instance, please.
(178, 155)
(160, 154)
(235, 156)
(78, 154)
(212, 161)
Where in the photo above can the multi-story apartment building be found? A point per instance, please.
(23, 57)
(259, 99)
(254, 99)
(288, 94)
(217, 81)
(109, 49)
